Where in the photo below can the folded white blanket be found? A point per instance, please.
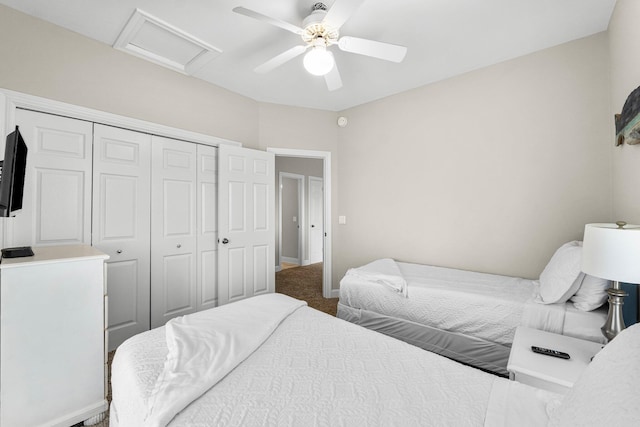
(204, 347)
(383, 271)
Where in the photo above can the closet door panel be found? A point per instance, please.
(177, 283)
(260, 269)
(124, 312)
(246, 223)
(57, 192)
(121, 226)
(261, 251)
(60, 211)
(178, 208)
(208, 279)
(207, 217)
(236, 285)
(173, 230)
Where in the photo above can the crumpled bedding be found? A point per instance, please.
(206, 346)
(385, 272)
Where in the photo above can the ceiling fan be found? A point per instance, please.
(319, 31)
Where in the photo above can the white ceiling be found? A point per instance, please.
(444, 38)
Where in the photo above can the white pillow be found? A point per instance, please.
(561, 278)
(591, 294)
(608, 391)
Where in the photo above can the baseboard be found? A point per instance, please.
(335, 293)
(305, 262)
(289, 260)
(278, 268)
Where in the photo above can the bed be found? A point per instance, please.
(471, 317)
(272, 361)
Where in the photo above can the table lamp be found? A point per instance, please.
(612, 252)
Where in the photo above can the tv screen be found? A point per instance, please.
(12, 173)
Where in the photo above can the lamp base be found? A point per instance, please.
(615, 323)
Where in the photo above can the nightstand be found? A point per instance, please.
(546, 372)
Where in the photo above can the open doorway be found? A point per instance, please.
(315, 167)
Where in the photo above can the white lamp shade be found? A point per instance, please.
(612, 253)
(318, 61)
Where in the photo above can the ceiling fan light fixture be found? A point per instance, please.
(318, 61)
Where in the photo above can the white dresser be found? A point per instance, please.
(52, 337)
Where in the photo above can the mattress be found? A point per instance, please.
(316, 370)
(474, 304)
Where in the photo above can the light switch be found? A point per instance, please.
(342, 219)
(295, 219)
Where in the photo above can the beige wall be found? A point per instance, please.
(489, 171)
(45, 60)
(42, 59)
(624, 35)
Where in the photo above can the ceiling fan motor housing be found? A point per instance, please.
(315, 30)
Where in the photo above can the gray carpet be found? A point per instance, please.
(305, 283)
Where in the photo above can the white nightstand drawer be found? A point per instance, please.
(546, 372)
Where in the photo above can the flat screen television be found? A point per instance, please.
(12, 173)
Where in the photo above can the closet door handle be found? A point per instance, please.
(225, 241)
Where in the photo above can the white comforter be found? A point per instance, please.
(206, 346)
(481, 305)
(315, 370)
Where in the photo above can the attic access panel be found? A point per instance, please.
(152, 39)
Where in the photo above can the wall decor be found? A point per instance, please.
(628, 122)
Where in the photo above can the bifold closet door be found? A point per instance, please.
(121, 226)
(173, 229)
(56, 207)
(207, 228)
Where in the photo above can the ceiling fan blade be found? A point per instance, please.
(260, 17)
(386, 51)
(340, 12)
(333, 79)
(277, 61)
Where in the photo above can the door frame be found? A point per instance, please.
(325, 156)
(301, 215)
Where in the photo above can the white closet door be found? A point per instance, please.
(207, 216)
(316, 220)
(121, 226)
(56, 206)
(246, 223)
(173, 229)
